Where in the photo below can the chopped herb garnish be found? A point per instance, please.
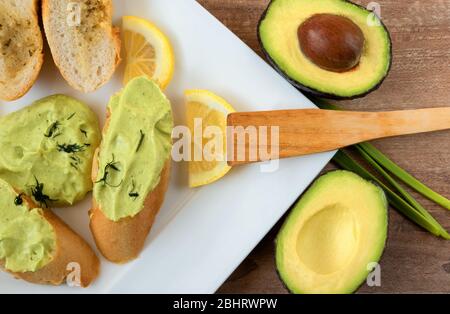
(71, 116)
(18, 200)
(110, 165)
(52, 130)
(84, 132)
(72, 148)
(38, 193)
(113, 166)
(141, 140)
(75, 158)
(133, 194)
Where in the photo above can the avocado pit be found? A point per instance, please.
(332, 42)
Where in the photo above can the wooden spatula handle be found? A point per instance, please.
(310, 131)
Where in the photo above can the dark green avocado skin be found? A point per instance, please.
(308, 89)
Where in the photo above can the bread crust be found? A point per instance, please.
(70, 248)
(113, 35)
(7, 95)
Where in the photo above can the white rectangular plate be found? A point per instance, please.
(200, 235)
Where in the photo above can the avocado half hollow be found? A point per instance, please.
(333, 235)
(279, 36)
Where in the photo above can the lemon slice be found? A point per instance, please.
(147, 51)
(213, 111)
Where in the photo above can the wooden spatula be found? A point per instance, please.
(308, 131)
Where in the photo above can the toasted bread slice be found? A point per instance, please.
(84, 44)
(122, 241)
(71, 252)
(21, 46)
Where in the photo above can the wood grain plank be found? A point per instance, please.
(414, 261)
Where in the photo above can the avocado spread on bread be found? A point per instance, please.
(27, 240)
(135, 147)
(47, 150)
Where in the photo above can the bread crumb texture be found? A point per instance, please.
(81, 38)
(19, 39)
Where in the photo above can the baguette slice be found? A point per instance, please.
(86, 53)
(21, 47)
(70, 248)
(122, 241)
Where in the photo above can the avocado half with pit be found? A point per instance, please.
(334, 234)
(330, 48)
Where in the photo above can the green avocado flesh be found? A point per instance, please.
(333, 234)
(47, 150)
(27, 240)
(278, 33)
(134, 149)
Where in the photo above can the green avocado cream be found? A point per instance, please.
(134, 149)
(27, 240)
(47, 150)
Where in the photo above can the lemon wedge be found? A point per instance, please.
(211, 110)
(147, 51)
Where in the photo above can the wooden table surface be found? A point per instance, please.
(414, 261)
